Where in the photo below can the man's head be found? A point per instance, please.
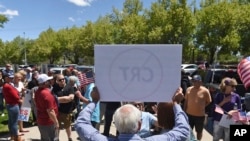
(43, 80)
(8, 66)
(127, 119)
(8, 77)
(196, 79)
(60, 80)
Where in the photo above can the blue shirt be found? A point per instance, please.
(148, 120)
(96, 113)
(87, 132)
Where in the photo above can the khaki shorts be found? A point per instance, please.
(64, 120)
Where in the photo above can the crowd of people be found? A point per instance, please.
(56, 105)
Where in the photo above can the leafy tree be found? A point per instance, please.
(47, 47)
(171, 22)
(244, 29)
(3, 19)
(217, 28)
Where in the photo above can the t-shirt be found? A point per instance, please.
(64, 91)
(11, 95)
(45, 100)
(227, 106)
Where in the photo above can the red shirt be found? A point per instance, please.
(45, 100)
(11, 95)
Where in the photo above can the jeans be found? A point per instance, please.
(1, 103)
(209, 125)
(220, 132)
(13, 113)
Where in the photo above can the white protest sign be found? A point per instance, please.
(24, 114)
(148, 73)
(26, 107)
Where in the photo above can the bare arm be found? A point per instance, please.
(82, 98)
(53, 117)
(66, 99)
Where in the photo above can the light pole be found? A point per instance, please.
(25, 57)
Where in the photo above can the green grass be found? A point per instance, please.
(4, 124)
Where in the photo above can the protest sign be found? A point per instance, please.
(26, 107)
(148, 73)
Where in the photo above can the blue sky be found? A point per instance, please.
(28, 18)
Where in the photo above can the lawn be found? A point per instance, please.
(4, 124)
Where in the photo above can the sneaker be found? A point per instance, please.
(2, 114)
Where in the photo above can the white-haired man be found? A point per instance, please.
(127, 121)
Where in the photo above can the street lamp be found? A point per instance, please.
(25, 57)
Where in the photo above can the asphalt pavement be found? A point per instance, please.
(34, 134)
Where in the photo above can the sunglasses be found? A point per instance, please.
(62, 79)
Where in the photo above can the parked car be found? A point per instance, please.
(70, 65)
(213, 79)
(189, 68)
(57, 70)
(83, 68)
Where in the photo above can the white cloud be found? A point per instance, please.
(81, 2)
(10, 13)
(72, 19)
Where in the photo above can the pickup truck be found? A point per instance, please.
(213, 77)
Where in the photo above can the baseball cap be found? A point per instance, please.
(43, 78)
(197, 78)
(29, 68)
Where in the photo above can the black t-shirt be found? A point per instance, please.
(64, 91)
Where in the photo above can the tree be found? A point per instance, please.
(171, 22)
(47, 47)
(3, 19)
(217, 28)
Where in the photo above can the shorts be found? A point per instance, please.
(197, 122)
(64, 120)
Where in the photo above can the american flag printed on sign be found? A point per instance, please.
(244, 71)
(86, 78)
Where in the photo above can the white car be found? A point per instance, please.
(57, 70)
(189, 68)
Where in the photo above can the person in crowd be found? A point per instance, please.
(226, 99)
(185, 83)
(78, 84)
(8, 69)
(13, 100)
(109, 112)
(210, 110)
(166, 118)
(18, 84)
(23, 79)
(66, 95)
(148, 120)
(1, 94)
(127, 120)
(197, 97)
(28, 73)
(67, 72)
(95, 118)
(32, 87)
(47, 109)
